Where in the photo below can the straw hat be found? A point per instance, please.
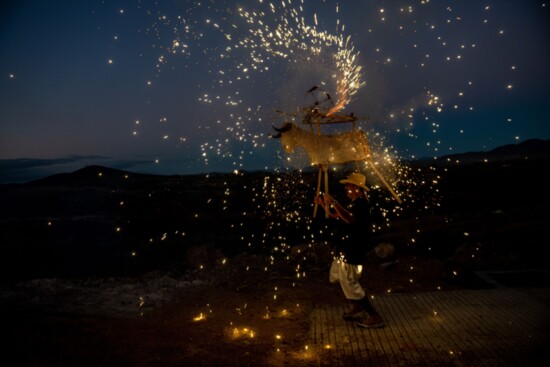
(356, 179)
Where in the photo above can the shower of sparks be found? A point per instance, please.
(291, 38)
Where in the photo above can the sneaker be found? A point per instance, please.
(353, 311)
(373, 321)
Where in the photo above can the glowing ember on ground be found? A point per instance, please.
(242, 332)
(199, 317)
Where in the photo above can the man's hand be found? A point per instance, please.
(324, 200)
(319, 200)
(328, 203)
(329, 200)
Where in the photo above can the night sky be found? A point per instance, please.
(185, 87)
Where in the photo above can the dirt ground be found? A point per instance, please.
(245, 312)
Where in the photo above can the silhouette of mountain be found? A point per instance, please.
(93, 175)
(531, 149)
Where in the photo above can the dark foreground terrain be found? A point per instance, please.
(109, 268)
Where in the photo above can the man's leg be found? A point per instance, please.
(354, 293)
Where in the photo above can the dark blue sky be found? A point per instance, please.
(101, 82)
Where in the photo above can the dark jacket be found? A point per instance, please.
(356, 244)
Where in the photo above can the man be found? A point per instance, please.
(346, 269)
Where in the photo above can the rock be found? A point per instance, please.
(384, 250)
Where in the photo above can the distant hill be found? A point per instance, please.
(532, 149)
(93, 175)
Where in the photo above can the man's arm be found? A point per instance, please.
(338, 211)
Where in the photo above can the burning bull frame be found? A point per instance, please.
(323, 150)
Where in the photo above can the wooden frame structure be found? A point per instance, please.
(317, 115)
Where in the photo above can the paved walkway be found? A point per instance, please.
(495, 327)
